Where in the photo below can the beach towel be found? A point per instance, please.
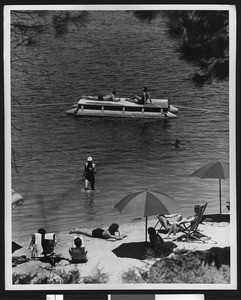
(49, 236)
(36, 245)
(42, 244)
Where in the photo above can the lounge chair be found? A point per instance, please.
(42, 245)
(164, 223)
(163, 228)
(191, 230)
(78, 255)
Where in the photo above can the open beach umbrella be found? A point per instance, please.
(145, 203)
(16, 199)
(218, 170)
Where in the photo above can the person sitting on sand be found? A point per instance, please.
(166, 223)
(191, 219)
(109, 233)
(42, 243)
(157, 243)
(77, 252)
(108, 97)
(160, 246)
(145, 96)
(78, 242)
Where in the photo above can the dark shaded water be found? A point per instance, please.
(112, 50)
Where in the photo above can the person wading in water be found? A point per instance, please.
(89, 174)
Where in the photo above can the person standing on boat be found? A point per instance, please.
(89, 174)
(108, 97)
(143, 99)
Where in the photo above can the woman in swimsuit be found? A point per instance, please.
(101, 233)
(191, 219)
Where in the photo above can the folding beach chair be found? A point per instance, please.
(42, 245)
(162, 227)
(191, 230)
(164, 222)
(78, 255)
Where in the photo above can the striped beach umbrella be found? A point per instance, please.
(218, 170)
(145, 203)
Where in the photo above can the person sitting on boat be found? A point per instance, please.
(89, 174)
(143, 99)
(109, 233)
(108, 97)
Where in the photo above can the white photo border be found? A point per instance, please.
(232, 148)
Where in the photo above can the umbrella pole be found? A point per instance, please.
(220, 196)
(146, 229)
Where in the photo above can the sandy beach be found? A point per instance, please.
(100, 255)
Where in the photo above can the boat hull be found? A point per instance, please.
(97, 113)
(123, 109)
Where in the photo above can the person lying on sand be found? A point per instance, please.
(109, 233)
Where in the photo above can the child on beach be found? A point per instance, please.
(77, 252)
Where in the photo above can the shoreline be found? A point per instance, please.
(100, 255)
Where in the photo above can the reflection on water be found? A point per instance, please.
(90, 205)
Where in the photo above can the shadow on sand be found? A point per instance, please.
(136, 250)
(217, 218)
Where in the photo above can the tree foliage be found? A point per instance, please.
(26, 26)
(203, 40)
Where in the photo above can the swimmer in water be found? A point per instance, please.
(177, 143)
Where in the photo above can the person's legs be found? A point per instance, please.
(90, 97)
(178, 218)
(169, 232)
(174, 229)
(92, 185)
(184, 220)
(86, 184)
(137, 97)
(81, 231)
(131, 100)
(164, 222)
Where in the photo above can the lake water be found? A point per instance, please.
(113, 50)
